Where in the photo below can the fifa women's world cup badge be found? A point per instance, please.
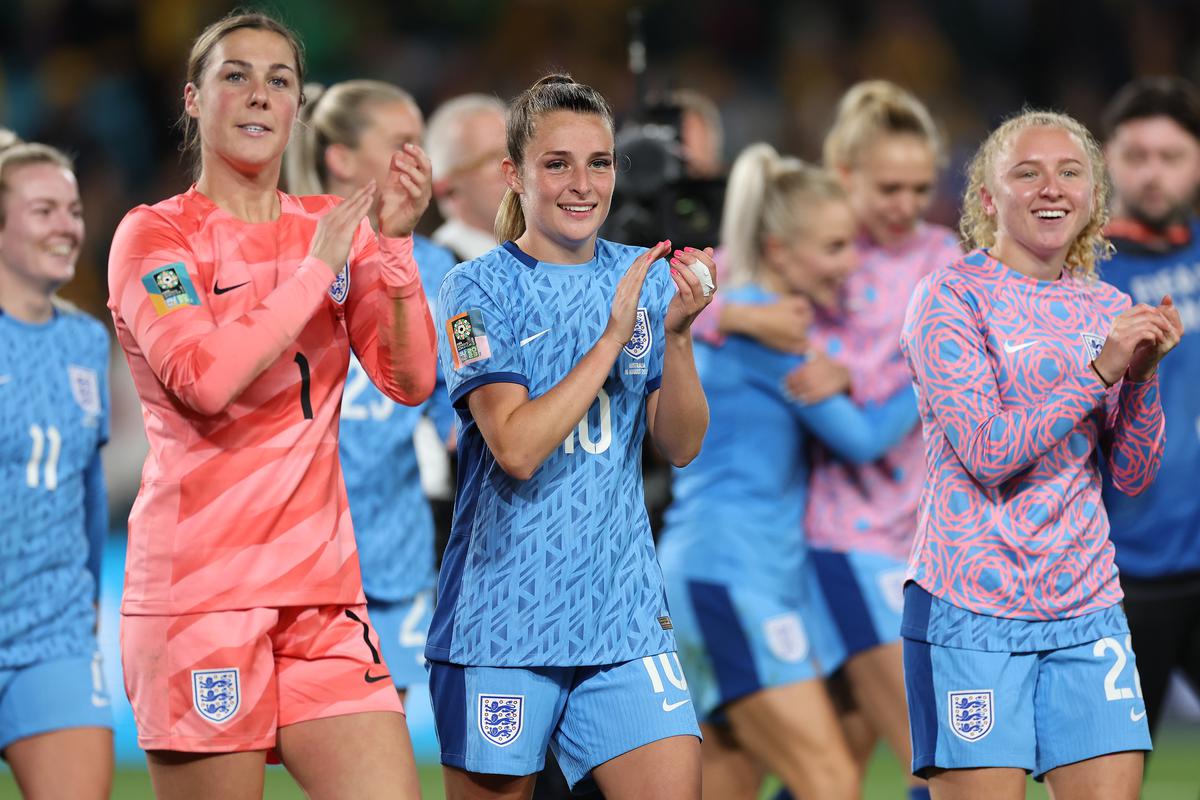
(468, 338)
(170, 288)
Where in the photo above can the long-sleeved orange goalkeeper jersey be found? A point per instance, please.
(237, 341)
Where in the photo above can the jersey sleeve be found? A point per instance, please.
(477, 339)
(945, 342)
(856, 435)
(387, 315)
(1135, 436)
(154, 289)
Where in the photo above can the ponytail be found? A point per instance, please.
(510, 218)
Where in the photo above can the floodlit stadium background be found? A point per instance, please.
(103, 79)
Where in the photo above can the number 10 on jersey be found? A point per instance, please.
(583, 430)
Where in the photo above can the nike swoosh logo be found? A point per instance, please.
(529, 339)
(223, 289)
(672, 706)
(369, 678)
(1013, 348)
(1133, 717)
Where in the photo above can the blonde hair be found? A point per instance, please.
(768, 195)
(555, 92)
(978, 228)
(202, 50)
(337, 115)
(871, 109)
(23, 154)
(8, 139)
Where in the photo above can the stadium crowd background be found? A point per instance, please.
(102, 79)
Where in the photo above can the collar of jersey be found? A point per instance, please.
(555, 269)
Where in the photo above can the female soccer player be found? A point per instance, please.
(732, 551)
(244, 626)
(55, 721)
(1016, 652)
(885, 149)
(560, 349)
(349, 134)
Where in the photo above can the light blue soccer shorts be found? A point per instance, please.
(864, 593)
(1034, 710)
(53, 695)
(738, 640)
(402, 627)
(499, 720)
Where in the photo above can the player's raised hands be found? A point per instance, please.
(335, 230)
(1139, 337)
(405, 194)
(1144, 362)
(693, 272)
(629, 290)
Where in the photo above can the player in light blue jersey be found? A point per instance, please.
(1152, 146)
(55, 721)
(754, 634)
(560, 350)
(352, 130)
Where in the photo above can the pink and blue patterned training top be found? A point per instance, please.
(1011, 523)
(872, 507)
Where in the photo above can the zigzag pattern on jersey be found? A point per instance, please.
(560, 568)
(1011, 524)
(873, 507)
(48, 437)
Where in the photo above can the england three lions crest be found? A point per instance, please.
(1092, 345)
(971, 714)
(341, 285)
(216, 693)
(501, 717)
(639, 343)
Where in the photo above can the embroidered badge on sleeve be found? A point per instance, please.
(468, 338)
(170, 288)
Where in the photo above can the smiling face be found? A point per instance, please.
(1041, 193)
(891, 186)
(817, 260)
(43, 225)
(246, 100)
(565, 185)
(1155, 168)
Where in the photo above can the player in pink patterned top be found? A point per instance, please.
(244, 627)
(1028, 370)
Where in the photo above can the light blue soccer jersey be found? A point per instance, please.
(53, 420)
(557, 570)
(1157, 533)
(393, 526)
(738, 507)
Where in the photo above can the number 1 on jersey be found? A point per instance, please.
(305, 385)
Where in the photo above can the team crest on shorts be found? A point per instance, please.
(501, 717)
(786, 638)
(216, 693)
(639, 344)
(1093, 344)
(341, 285)
(971, 714)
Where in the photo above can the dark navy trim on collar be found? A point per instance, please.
(520, 255)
